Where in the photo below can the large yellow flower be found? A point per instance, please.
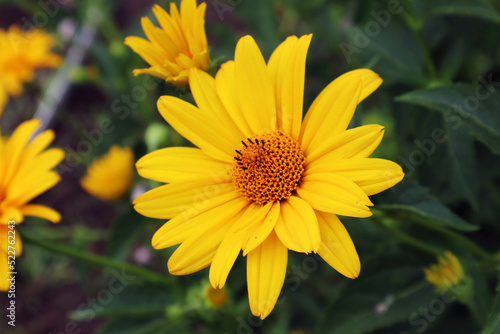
(262, 180)
(22, 54)
(179, 45)
(109, 176)
(25, 172)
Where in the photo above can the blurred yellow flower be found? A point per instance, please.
(216, 297)
(22, 54)
(446, 273)
(262, 180)
(180, 43)
(26, 172)
(109, 176)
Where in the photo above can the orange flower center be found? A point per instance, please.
(268, 167)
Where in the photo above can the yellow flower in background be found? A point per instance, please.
(446, 273)
(26, 172)
(216, 297)
(180, 43)
(23, 52)
(109, 176)
(263, 180)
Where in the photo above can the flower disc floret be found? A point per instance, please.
(267, 168)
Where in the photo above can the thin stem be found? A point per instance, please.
(99, 260)
(416, 26)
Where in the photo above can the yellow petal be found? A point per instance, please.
(14, 148)
(330, 112)
(287, 69)
(200, 128)
(205, 94)
(25, 193)
(174, 164)
(371, 175)
(215, 212)
(230, 247)
(225, 83)
(170, 200)
(334, 194)
(264, 223)
(41, 211)
(359, 142)
(266, 270)
(11, 213)
(254, 90)
(198, 250)
(4, 269)
(297, 227)
(336, 247)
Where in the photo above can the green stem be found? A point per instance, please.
(464, 241)
(405, 238)
(416, 26)
(99, 260)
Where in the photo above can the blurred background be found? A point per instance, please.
(439, 104)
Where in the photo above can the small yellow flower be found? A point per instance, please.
(22, 54)
(216, 297)
(26, 172)
(445, 274)
(180, 43)
(109, 176)
(262, 180)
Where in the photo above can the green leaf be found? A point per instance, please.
(493, 325)
(137, 326)
(124, 233)
(473, 8)
(411, 201)
(475, 106)
(136, 301)
(462, 160)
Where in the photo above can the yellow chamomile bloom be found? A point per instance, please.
(179, 45)
(22, 54)
(263, 180)
(109, 176)
(446, 273)
(25, 172)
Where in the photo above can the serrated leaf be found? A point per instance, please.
(477, 107)
(473, 8)
(411, 201)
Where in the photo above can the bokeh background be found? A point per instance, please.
(439, 104)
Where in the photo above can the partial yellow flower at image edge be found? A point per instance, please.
(26, 172)
(23, 52)
(109, 176)
(179, 45)
(262, 180)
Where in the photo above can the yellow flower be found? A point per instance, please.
(262, 180)
(22, 54)
(446, 273)
(109, 176)
(179, 45)
(215, 296)
(26, 172)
